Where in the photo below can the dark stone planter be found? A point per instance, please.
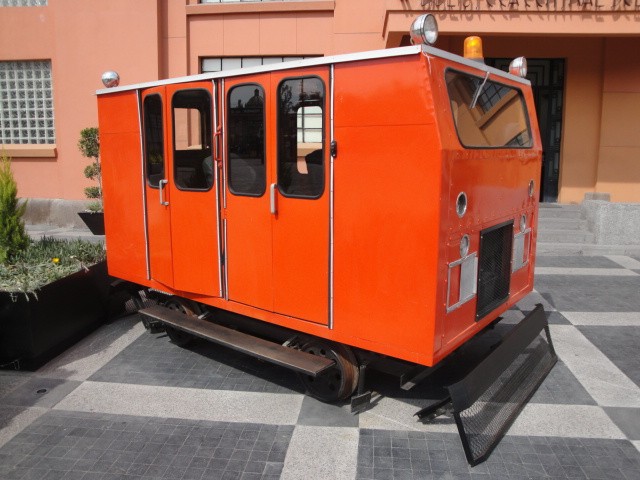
(34, 331)
(93, 220)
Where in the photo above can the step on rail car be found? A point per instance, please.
(338, 214)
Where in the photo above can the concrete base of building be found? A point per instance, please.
(612, 223)
(55, 212)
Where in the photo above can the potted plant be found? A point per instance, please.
(89, 146)
(52, 292)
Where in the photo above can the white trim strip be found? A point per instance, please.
(309, 62)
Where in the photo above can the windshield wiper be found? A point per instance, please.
(476, 95)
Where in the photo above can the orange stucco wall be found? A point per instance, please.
(150, 39)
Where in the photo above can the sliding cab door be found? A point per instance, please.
(247, 213)
(300, 222)
(157, 166)
(192, 189)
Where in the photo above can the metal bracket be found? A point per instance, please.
(361, 401)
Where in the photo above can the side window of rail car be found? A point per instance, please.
(192, 155)
(487, 114)
(246, 141)
(153, 139)
(301, 137)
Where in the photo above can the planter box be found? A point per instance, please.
(93, 220)
(34, 331)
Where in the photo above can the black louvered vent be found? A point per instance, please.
(494, 268)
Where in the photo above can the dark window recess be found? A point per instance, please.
(301, 137)
(246, 145)
(494, 268)
(487, 114)
(192, 157)
(153, 139)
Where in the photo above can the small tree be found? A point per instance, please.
(89, 145)
(13, 238)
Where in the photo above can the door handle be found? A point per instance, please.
(272, 198)
(161, 185)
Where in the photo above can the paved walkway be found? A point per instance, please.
(127, 404)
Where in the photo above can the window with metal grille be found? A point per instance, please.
(26, 103)
(494, 268)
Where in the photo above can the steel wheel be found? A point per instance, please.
(182, 305)
(337, 382)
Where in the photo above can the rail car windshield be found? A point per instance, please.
(487, 114)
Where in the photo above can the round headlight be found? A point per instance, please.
(461, 204)
(110, 79)
(424, 29)
(523, 223)
(464, 246)
(518, 67)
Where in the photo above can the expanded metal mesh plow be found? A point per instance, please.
(487, 401)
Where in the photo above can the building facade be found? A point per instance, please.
(582, 54)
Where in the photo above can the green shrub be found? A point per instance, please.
(13, 238)
(89, 146)
(47, 260)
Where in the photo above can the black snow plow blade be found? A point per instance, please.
(487, 401)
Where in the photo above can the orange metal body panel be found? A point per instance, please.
(387, 184)
(158, 214)
(122, 186)
(194, 243)
(249, 252)
(397, 174)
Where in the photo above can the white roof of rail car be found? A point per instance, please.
(310, 62)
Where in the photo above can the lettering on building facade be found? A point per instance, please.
(534, 5)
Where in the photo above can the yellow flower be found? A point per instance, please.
(55, 260)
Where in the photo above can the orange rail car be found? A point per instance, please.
(377, 203)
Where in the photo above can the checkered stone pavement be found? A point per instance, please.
(127, 404)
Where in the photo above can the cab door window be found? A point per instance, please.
(301, 137)
(153, 139)
(192, 156)
(246, 141)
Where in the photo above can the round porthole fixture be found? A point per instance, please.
(532, 186)
(461, 204)
(110, 79)
(464, 246)
(523, 223)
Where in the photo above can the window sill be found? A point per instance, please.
(11, 150)
(258, 7)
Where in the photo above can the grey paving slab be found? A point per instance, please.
(415, 455)
(67, 444)
(153, 360)
(619, 344)
(627, 420)
(590, 293)
(576, 261)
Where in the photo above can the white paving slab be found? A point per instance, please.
(321, 452)
(94, 352)
(626, 262)
(392, 414)
(600, 272)
(618, 319)
(529, 302)
(598, 375)
(581, 421)
(637, 444)
(187, 403)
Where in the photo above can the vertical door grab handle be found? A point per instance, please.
(272, 198)
(161, 185)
